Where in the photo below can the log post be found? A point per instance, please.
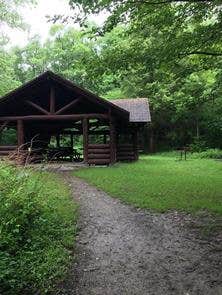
(20, 133)
(52, 100)
(112, 141)
(58, 140)
(85, 127)
(71, 140)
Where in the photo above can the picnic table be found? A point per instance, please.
(183, 152)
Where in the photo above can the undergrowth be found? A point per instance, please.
(37, 229)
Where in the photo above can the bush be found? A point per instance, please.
(208, 154)
(198, 145)
(37, 227)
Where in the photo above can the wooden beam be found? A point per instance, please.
(52, 100)
(96, 132)
(99, 146)
(68, 106)
(8, 147)
(20, 133)
(55, 117)
(37, 107)
(85, 127)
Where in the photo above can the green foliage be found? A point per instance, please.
(8, 81)
(8, 137)
(37, 227)
(163, 183)
(68, 52)
(168, 52)
(198, 145)
(9, 14)
(184, 27)
(9, 17)
(208, 154)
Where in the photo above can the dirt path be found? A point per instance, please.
(122, 250)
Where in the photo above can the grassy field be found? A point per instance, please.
(37, 230)
(163, 183)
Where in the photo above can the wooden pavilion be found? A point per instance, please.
(51, 106)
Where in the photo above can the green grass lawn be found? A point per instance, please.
(162, 183)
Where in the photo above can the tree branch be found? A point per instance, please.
(201, 52)
(169, 1)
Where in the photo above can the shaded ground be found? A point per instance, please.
(123, 250)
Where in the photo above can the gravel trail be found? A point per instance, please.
(122, 250)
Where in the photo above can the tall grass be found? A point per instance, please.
(37, 228)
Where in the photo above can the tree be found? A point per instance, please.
(198, 21)
(169, 51)
(7, 75)
(9, 14)
(68, 52)
(31, 61)
(125, 62)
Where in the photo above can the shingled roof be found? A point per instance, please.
(137, 107)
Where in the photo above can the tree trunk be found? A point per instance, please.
(146, 140)
(151, 140)
(197, 129)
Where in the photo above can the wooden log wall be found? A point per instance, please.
(126, 152)
(99, 154)
(85, 127)
(112, 141)
(6, 150)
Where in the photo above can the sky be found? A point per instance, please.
(36, 18)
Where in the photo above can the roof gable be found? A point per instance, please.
(36, 86)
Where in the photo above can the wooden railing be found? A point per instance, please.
(7, 149)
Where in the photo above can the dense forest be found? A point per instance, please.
(167, 51)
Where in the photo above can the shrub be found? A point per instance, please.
(208, 154)
(37, 227)
(198, 145)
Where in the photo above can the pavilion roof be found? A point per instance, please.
(137, 107)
